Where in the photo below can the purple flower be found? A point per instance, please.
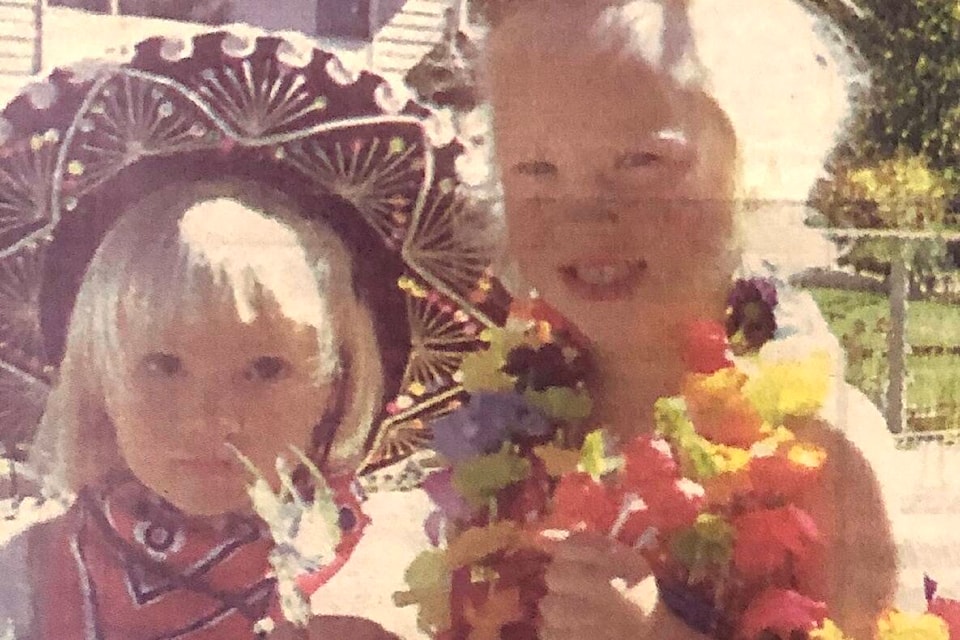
(450, 504)
(929, 587)
(750, 318)
(753, 290)
(439, 488)
(544, 367)
(484, 423)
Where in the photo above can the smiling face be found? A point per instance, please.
(618, 184)
(192, 389)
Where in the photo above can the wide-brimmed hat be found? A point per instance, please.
(80, 147)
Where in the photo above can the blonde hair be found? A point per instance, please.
(784, 77)
(175, 253)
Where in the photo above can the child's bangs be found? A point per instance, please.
(243, 265)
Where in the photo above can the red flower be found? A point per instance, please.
(767, 539)
(705, 349)
(948, 610)
(636, 525)
(647, 459)
(674, 503)
(528, 502)
(722, 488)
(781, 612)
(583, 504)
(720, 410)
(783, 474)
(736, 424)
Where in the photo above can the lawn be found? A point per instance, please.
(861, 319)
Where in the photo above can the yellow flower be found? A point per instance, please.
(774, 439)
(730, 459)
(896, 625)
(807, 455)
(790, 387)
(828, 631)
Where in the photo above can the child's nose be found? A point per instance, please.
(590, 193)
(215, 414)
(592, 206)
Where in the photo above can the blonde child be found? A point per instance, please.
(213, 318)
(620, 177)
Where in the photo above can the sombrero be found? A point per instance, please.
(88, 138)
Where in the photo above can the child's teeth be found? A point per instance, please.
(591, 275)
(602, 275)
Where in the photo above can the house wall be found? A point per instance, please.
(383, 10)
(278, 15)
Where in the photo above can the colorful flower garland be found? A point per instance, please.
(710, 499)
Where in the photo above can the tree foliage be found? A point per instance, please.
(899, 167)
(912, 50)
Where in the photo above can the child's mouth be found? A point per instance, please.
(604, 280)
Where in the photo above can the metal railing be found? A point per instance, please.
(897, 293)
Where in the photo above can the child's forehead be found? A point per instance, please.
(558, 100)
(211, 318)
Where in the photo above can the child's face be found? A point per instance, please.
(618, 185)
(193, 388)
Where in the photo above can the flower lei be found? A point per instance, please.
(710, 499)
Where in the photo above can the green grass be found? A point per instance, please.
(928, 323)
(933, 383)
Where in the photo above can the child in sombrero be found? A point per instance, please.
(220, 291)
(210, 317)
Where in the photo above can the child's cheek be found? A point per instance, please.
(285, 414)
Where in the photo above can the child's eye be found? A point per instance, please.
(637, 160)
(267, 369)
(536, 168)
(164, 365)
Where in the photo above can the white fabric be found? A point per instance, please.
(15, 596)
(920, 486)
(366, 584)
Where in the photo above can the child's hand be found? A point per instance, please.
(597, 589)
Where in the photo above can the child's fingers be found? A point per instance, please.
(564, 609)
(570, 617)
(596, 554)
(566, 578)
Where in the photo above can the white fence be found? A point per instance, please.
(896, 342)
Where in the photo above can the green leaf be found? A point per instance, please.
(705, 546)
(428, 579)
(482, 370)
(480, 479)
(670, 418)
(696, 453)
(593, 456)
(561, 403)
